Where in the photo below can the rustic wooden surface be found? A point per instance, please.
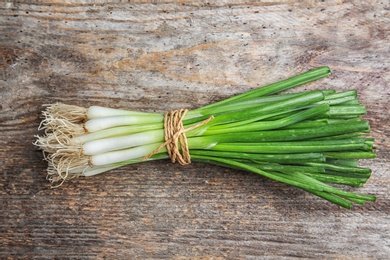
(159, 55)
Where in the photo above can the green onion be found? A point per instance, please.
(310, 139)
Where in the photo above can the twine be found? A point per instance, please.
(175, 136)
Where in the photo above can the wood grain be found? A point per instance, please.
(160, 55)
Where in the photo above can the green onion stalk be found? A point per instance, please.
(309, 139)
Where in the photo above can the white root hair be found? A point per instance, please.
(71, 113)
(61, 124)
(65, 164)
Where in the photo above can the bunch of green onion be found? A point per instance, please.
(304, 139)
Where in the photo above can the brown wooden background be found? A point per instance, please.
(159, 55)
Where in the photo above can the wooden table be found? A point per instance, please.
(160, 55)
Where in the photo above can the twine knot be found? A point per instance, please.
(175, 136)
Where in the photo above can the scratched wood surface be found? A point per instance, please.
(160, 55)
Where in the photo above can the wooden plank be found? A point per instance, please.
(162, 55)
